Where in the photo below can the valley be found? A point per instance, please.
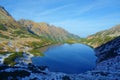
(22, 40)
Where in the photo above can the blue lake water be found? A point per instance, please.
(68, 58)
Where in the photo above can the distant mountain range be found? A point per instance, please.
(102, 37)
(49, 31)
(12, 29)
(40, 29)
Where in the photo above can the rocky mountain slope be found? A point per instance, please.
(9, 27)
(102, 37)
(6, 19)
(109, 50)
(49, 31)
(15, 39)
(107, 67)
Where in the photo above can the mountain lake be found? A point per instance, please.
(68, 58)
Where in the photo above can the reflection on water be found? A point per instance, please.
(68, 58)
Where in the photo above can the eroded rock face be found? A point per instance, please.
(29, 72)
(110, 65)
(109, 50)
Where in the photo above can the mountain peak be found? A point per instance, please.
(3, 10)
(47, 30)
(1, 7)
(6, 19)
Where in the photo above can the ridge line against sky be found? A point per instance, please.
(81, 17)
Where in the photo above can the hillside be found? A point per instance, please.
(15, 39)
(108, 50)
(7, 20)
(51, 32)
(9, 27)
(102, 37)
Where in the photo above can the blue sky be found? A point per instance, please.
(81, 17)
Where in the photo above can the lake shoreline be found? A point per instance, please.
(43, 49)
(56, 58)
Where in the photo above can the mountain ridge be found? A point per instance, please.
(49, 31)
(102, 37)
(6, 19)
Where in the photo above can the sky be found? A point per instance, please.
(80, 17)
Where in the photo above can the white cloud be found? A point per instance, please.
(57, 9)
(95, 5)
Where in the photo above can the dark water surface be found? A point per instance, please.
(68, 58)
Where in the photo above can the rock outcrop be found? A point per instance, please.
(109, 50)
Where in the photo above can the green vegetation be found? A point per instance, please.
(3, 28)
(18, 32)
(36, 36)
(4, 53)
(102, 37)
(96, 41)
(37, 45)
(11, 59)
(71, 41)
(4, 36)
(36, 52)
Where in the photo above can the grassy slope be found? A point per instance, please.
(101, 37)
